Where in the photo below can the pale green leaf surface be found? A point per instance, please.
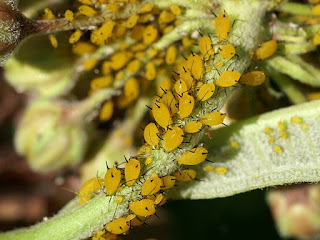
(255, 164)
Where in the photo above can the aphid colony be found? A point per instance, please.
(172, 109)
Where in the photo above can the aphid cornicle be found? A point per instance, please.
(151, 186)
(222, 27)
(132, 171)
(150, 134)
(192, 127)
(228, 78)
(144, 207)
(172, 138)
(118, 226)
(193, 156)
(112, 180)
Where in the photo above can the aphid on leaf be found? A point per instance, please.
(267, 49)
(186, 104)
(212, 119)
(185, 175)
(193, 157)
(161, 115)
(222, 27)
(254, 78)
(151, 186)
(112, 180)
(205, 91)
(192, 127)
(118, 226)
(144, 207)
(227, 51)
(172, 138)
(132, 171)
(228, 79)
(151, 134)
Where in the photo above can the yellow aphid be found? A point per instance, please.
(271, 139)
(281, 126)
(120, 59)
(112, 7)
(180, 87)
(152, 52)
(195, 65)
(145, 18)
(151, 186)
(219, 64)
(221, 170)
(162, 115)
(296, 120)
(151, 134)
(206, 47)
(227, 51)
(53, 40)
(168, 182)
(119, 199)
(137, 32)
(68, 15)
(87, 11)
(132, 21)
(192, 127)
(106, 111)
(172, 138)
(118, 226)
(100, 35)
(316, 10)
(171, 55)
(208, 168)
(254, 78)
(151, 71)
(185, 175)
(133, 66)
(112, 180)
(222, 27)
(146, 8)
(206, 91)
(75, 37)
(214, 118)
(268, 130)
(186, 104)
(228, 78)
(304, 126)
(277, 149)
(193, 157)
(234, 144)
(86, 2)
(148, 160)
(106, 68)
(186, 42)
(131, 89)
(81, 48)
(89, 187)
(144, 207)
(48, 15)
(316, 39)
(101, 82)
(150, 34)
(267, 49)
(283, 135)
(166, 17)
(175, 10)
(165, 85)
(169, 100)
(89, 64)
(132, 171)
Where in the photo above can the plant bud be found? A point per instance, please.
(296, 210)
(13, 28)
(50, 136)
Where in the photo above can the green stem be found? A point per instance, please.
(296, 8)
(83, 221)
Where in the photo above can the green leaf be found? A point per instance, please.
(256, 164)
